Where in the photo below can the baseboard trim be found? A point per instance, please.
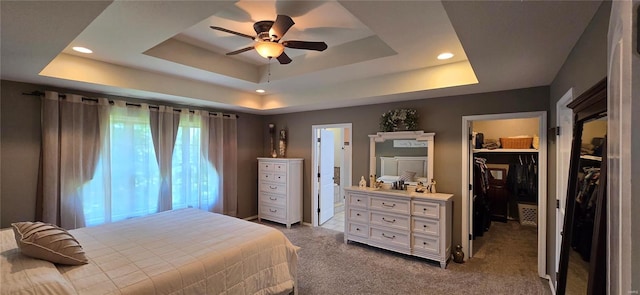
(254, 217)
(551, 287)
(307, 224)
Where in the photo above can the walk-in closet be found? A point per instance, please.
(505, 181)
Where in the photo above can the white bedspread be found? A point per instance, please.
(185, 251)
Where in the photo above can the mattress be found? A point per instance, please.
(186, 251)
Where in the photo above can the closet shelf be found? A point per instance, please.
(505, 151)
(589, 157)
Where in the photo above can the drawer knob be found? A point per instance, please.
(357, 200)
(425, 226)
(387, 205)
(273, 210)
(390, 221)
(389, 237)
(424, 243)
(424, 209)
(357, 214)
(273, 199)
(357, 229)
(273, 187)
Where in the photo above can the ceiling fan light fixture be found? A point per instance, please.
(268, 49)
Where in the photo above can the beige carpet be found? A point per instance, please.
(505, 263)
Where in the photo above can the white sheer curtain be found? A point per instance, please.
(107, 161)
(127, 182)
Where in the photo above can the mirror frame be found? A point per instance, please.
(590, 105)
(415, 135)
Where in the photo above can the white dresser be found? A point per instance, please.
(412, 223)
(280, 190)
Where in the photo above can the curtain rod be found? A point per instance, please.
(40, 93)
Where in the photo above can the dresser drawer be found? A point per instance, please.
(357, 229)
(425, 209)
(276, 200)
(391, 220)
(266, 166)
(279, 167)
(391, 237)
(356, 200)
(390, 205)
(426, 244)
(273, 211)
(358, 215)
(274, 177)
(426, 226)
(273, 188)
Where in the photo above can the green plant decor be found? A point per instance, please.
(399, 119)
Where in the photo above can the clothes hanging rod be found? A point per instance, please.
(40, 93)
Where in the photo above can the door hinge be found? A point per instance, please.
(318, 210)
(471, 187)
(318, 139)
(558, 130)
(470, 136)
(470, 237)
(318, 174)
(557, 204)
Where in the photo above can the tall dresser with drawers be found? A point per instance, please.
(280, 190)
(412, 223)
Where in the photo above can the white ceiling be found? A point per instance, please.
(379, 51)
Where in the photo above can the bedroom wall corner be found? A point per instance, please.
(20, 152)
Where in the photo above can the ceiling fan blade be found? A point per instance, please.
(281, 26)
(233, 32)
(284, 59)
(240, 50)
(319, 46)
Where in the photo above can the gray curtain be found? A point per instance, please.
(164, 129)
(222, 151)
(71, 140)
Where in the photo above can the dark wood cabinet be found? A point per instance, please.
(498, 194)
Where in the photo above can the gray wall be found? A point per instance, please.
(20, 152)
(585, 66)
(440, 115)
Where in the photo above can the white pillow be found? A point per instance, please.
(407, 176)
(388, 178)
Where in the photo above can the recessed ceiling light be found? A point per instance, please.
(82, 49)
(260, 90)
(446, 55)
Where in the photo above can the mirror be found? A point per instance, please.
(582, 268)
(392, 153)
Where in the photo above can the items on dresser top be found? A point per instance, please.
(411, 223)
(280, 190)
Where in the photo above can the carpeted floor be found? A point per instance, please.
(505, 263)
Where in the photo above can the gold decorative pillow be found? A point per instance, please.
(48, 242)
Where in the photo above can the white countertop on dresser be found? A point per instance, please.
(404, 193)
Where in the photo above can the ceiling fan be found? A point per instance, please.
(269, 34)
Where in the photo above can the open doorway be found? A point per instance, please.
(514, 205)
(331, 173)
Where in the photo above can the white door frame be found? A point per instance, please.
(562, 172)
(542, 180)
(314, 164)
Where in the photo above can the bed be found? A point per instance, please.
(391, 168)
(186, 251)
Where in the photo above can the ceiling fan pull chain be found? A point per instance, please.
(269, 71)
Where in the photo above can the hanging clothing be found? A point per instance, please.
(522, 179)
(584, 212)
(481, 210)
